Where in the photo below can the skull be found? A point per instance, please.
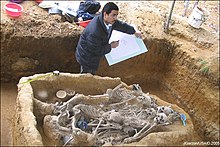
(146, 100)
(111, 115)
(109, 92)
(173, 116)
(137, 89)
(161, 118)
(168, 110)
(160, 109)
(151, 112)
(153, 103)
(115, 117)
(147, 113)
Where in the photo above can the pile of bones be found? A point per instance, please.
(124, 114)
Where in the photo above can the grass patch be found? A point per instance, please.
(204, 67)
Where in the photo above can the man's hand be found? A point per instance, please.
(114, 44)
(138, 34)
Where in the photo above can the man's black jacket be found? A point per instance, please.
(93, 43)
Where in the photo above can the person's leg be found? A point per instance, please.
(85, 69)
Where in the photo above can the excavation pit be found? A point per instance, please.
(159, 72)
(165, 71)
(122, 110)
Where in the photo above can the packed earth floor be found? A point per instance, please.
(181, 66)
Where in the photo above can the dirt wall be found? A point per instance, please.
(196, 92)
(25, 55)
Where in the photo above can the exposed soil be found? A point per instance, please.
(181, 66)
(8, 103)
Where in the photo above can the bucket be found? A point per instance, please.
(197, 17)
(38, 1)
(13, 9)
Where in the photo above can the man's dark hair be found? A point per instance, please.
(109, 7)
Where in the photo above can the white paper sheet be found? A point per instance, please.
(129, 46)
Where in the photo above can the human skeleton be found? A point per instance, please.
(122, 115)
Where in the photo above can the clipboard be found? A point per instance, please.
(129, 46)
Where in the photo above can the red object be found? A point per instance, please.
(84, 23)
(13, 9)
(38, 1)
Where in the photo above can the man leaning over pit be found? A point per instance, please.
(94, 40)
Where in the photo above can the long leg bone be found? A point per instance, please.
(160, 119)
(147, 125)
(147, 131)
(71, 102)
(71, 138)
(117, 87)
(122, 103)
(153, 127)
(90, 111)
(114, 126)
(82, 99)
(140, 134)
(98, 96)
(112, 93)
(95, 131)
